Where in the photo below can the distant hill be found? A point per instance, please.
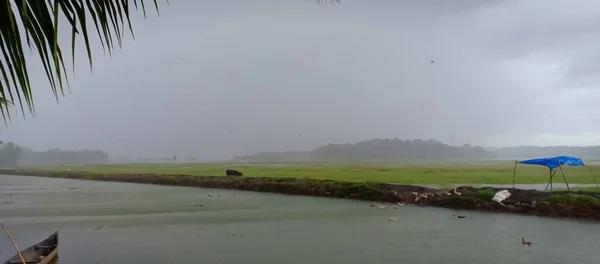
(375, 149)
(526, 152)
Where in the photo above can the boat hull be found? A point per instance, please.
(43, 252)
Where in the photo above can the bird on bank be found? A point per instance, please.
(456, 192)
(525, 242)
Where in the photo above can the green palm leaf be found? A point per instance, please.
(35, 23)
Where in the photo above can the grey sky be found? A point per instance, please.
(221, 78)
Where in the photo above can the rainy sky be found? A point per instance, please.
(214, 79)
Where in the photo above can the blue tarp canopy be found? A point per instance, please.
(554, 162)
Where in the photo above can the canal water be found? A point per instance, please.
(118, 223)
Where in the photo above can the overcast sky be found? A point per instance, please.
(215, 79)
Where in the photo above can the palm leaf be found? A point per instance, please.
(35, 22)
(326, 2)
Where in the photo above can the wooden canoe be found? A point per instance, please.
(40, 253)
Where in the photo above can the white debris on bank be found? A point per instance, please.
(501, 196)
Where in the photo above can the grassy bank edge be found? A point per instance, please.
(373, 191)
(370, 191)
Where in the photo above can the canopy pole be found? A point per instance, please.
(563, 174)
(515, 173)
(552, 180)
(551, 172)
(593, 177)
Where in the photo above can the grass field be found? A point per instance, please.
(442, 175)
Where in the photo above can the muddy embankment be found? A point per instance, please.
(579, 205)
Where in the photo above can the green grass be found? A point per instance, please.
(422, 174)
(570, 199)
(577, 188)
(484, 195)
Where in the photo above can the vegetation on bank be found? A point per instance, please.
(584, 189)
(484, 195)
(424, 174)
(572, 199)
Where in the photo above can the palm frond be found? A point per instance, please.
(326, 2)
(36, 23)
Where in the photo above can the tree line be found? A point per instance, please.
(377, 149)
(397, 149)
(12, 154)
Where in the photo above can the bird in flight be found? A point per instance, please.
(432, 61)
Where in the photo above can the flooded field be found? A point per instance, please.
(108, 222)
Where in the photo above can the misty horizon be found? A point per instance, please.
(218, 80)
(169, 156)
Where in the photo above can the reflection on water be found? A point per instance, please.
(104, 222)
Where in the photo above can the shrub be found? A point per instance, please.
(571, 199)
(484, 195)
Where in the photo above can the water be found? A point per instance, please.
(107, 222)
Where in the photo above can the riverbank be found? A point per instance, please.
(438, 175)
(578, 205)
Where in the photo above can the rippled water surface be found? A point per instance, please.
(107, 222)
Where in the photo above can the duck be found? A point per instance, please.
(459, 216)
(525, 242)
(392, 219)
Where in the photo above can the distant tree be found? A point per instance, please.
(56, 157)
(382, 149)
(377, 149)
(10, 154)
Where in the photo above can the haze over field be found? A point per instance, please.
(240, 77)
(392, 151)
